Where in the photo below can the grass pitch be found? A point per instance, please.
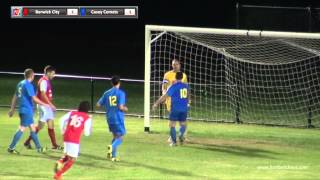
(215, 151)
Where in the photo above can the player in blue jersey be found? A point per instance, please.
(24, 95)
(114, 100)
(179, 93)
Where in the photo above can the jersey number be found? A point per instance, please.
(76, 121)
(113, 100)
(19, 91)
(183, 93)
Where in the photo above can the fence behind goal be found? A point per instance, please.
(69, 90)
(238, 75)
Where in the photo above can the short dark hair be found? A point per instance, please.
(84, 106)
(48, 69)
(27, 73)
(179, 75)
(115, 80)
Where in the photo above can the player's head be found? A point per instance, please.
(84, 106)
(115, 80)
(179, 76)
(176, 65)
(29, 74)
(50, 71)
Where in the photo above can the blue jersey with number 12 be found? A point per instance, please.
(111, 100)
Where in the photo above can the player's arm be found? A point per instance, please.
(163, 97)
(123, 108)
(13, 105)
(168, 93)
(185, 80)
(88, 127)
(63, 122)
(31, 93)
(122, 101)
(38, 101)
(159, 101)
(189, 96)
(43, 89)
(164, 85)
(101, 101)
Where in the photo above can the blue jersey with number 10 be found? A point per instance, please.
(179, 97)
(111, 100)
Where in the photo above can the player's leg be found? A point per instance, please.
(47, 117)
(27, 143)
(182, 130)
(173, 117)
(109, 151)
(168, 108)
(59, 164)
(118, 133)
(35, 139)
(40, 126)
(173, 133)
(71, 153)
(117, 142)
(66, 166)
(52, 135)
(15, 139)
(183, 126)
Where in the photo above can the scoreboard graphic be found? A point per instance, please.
(74, 12)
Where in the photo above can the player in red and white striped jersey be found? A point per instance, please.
(45, 94)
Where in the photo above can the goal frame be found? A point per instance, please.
(163, 28)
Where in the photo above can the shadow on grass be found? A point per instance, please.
(135, 164)
(80, 163)
(161, 169)
(234, 150)
(112, 165)
(8, 175)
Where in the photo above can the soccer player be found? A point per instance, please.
(114, 101)
(72, 125)
(179, 93)
(44, 93)
(24, 95)
(168, 79)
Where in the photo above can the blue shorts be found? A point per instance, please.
(26, 119)
(178, 115)
(117, 129)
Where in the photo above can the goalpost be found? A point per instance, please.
(260, 77)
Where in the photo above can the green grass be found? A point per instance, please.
(215, 151)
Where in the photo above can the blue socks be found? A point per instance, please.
(115, 145)
(173, 134)
(35, 139)
(182, 130)
(15, 139)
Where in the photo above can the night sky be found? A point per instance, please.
(114, 46)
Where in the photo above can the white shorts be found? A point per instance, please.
(71, 149)
(45, 113)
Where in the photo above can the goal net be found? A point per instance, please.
(236, 75)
